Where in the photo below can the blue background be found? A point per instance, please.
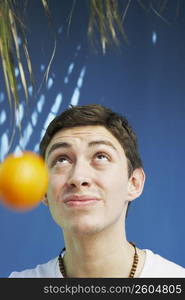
(145, 81)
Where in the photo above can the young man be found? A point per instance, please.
(95, 172)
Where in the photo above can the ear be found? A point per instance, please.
(45, 200)
(136, 184)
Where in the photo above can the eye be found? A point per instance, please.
(102, 156)
(60, 160)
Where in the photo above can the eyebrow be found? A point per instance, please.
(90, 144)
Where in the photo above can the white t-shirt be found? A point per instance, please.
(155, 266)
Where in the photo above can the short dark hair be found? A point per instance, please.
(96, 114)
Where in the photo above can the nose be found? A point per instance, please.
(80, 176)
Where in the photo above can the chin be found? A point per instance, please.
(85, 228)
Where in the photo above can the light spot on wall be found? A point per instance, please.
(4, 145)
(40, 103)
(154, 37)
(2, 117)
(34, 118)
(49, 83)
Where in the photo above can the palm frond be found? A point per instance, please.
(105, 19)
(11, 31)
(17, 48)
(46, 7)
(6, 51)
(70, 15)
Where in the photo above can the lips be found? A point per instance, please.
(80, 200)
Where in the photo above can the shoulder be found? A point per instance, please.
(48, 270)
(158, 266)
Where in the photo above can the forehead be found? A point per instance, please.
(84, 134)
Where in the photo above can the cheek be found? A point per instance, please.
(56, 182)
(117, 179)
(54, 194)
(117, 185)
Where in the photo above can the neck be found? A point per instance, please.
(104, 254)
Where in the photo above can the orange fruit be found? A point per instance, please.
(23, 180)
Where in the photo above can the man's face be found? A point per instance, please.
(88, 179)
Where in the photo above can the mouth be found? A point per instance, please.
(80, 201)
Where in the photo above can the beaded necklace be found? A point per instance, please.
(132, 271)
